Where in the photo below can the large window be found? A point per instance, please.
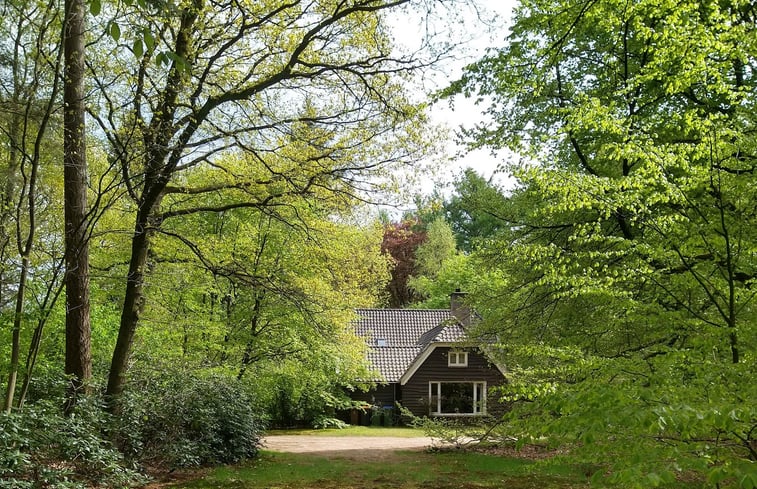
(457, 398)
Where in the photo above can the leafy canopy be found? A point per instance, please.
(623, 288)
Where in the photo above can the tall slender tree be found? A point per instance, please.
(78, 331)
(29, 98)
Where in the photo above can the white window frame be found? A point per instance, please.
(435, 402)
(460, 358)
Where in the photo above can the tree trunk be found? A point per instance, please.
(133, 302)
(16, 335)
(78, 356)
(158, 172)
(9, 191)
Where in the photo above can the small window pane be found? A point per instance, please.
(457, 358)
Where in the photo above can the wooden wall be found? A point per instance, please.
(382, 395)
(435, 369)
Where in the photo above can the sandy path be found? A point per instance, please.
(345, 446)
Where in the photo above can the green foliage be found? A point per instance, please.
(382, 416)
(622, 281)
(325, 422)
(261, 289)
(39, 447)
(271, 305)
(474, 211)
(300, 393)
(438, 247)
(180, 418)
(458, 272)
(232, 141)
(450, 432)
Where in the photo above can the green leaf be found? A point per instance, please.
(138, 48)
(161, 59)
(115, 31)
(181, 63)
(654, 479)
(94, 7)
(749, 481)
(717, 475)
(149, 39)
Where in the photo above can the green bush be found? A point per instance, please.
(168, 419)
(327, 422)
(39, 447)
(293, 402)
(179, 418)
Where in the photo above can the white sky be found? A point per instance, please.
(478, 36)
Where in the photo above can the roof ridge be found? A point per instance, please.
(400, 310)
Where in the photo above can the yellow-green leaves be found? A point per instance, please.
(630, 234)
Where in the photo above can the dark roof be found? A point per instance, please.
(397, 336)
(446, 332)
(392, 361)
(400, 327)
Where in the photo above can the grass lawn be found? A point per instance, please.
(355, 431)
(402, 469)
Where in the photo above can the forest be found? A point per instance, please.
(195, 196)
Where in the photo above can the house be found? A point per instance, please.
(425, 362)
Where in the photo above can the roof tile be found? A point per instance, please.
(392, 361)
(397, 336)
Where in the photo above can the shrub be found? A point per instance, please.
(179, 419)
(453, 432)
(39, 447)
(293, 402)
(326, 422)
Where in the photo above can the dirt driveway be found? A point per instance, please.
(354, 447)
(363, 448)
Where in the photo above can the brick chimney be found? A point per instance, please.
(459, 308)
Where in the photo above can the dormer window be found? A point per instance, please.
(457, 358)
(380, 342)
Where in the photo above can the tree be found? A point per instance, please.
(75, 177)
(472, 211)
(310, 92)
(245, 288)
(253, 297)
(29, 98)
(438, 247)
(457, 272)
(401, 241)
(630, 249)
(441, 270)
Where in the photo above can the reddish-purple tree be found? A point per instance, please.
(401, 240)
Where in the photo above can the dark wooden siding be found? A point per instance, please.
(435, 369)
(381, 396)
